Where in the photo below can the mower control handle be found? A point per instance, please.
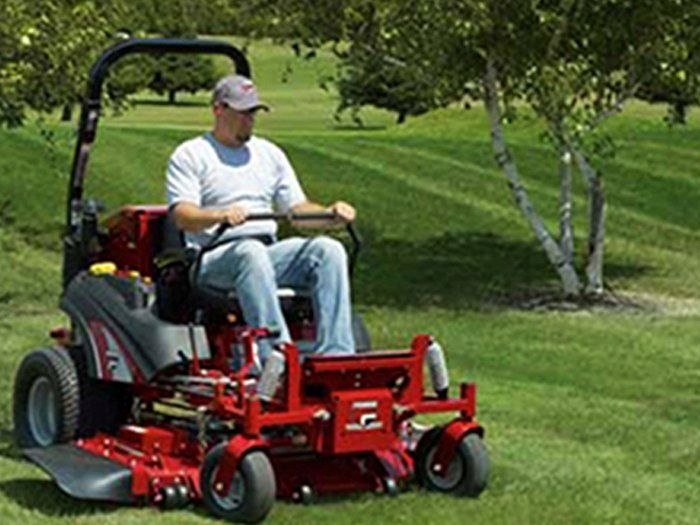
(293, 217)
(277, 216)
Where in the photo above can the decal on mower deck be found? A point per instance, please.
(362, 421)
(364, 416)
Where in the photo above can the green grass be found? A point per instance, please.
(590, 417)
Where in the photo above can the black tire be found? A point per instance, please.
(252, 492)
(104, 406)
(467, 473)
(360, 334)
(46, 403)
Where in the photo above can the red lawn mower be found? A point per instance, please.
(152, 395)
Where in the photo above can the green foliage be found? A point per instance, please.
(127, 77)
(391, 53)
(373, 70)
(46, 50)
(178, 17)
(176, 73)
(574, 62)
(677, 81)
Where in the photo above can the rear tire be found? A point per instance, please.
(46, 404)
(253, 487)
(468, 472)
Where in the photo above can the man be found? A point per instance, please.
(229, 173)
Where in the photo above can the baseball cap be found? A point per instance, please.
(238, 92)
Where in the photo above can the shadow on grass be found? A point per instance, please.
(45, 497)
(359, 129)
(460, 270)
(8, 449)
(42, 495)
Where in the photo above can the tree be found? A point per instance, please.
(574, 63)
(170, 74)
(677, 82)
(175, 73)
(179, 17)
(46, 49)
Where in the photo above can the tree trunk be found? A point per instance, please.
(596, 225)
(67, 112)
(566, 229)
(570, 281)
(171, 96)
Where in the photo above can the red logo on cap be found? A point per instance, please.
(247, 87)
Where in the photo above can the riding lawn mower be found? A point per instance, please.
(154, 393)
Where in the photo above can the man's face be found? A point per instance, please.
(239, 123)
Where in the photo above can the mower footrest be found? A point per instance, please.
(82, 474)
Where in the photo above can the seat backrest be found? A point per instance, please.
(171, 237)
(172, 262)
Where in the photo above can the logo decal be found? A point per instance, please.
(363, 417)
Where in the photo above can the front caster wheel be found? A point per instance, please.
(391, 488)
(304, 495)
(466, 475)
(252, 491)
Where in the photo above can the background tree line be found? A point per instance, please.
(47, 47)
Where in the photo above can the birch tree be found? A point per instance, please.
(574, 63)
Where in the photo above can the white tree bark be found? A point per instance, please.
(566, 229)
(596, 224)
(570, 281)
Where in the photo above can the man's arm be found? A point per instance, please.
(191, 218)
(343, 211)
(289, 196)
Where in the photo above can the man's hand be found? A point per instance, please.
(233, 215)
(343, 211)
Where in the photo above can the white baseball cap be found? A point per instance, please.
(239, 93)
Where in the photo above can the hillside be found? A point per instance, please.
(590, 417)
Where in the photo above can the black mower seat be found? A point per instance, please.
(178, 287)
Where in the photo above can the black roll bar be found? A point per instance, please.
(92, 104)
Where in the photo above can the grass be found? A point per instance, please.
(591, 417)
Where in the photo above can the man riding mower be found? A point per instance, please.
(163, 391)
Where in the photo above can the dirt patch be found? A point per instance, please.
(608, 302)
(668, 305)
(553, 301)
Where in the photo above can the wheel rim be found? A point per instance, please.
(41, 412)
(235, 495)
(454, 474)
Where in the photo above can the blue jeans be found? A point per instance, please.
(255, 271)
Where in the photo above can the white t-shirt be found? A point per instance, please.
(256, 176)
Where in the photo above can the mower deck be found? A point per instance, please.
(84, 475)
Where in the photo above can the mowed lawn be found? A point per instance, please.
(590, 416)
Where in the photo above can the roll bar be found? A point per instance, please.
(92, 104)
